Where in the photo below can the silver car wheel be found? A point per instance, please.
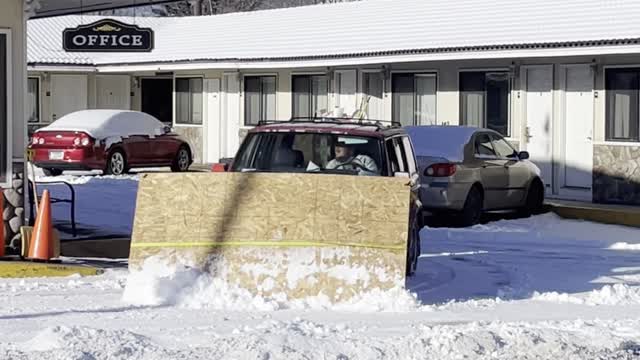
(183, 159)
(117, 163)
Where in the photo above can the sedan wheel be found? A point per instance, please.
(182, 160)
(472, 211)
(117, 163)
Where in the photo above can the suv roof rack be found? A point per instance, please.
(337, 121)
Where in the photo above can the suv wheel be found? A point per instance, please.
(413, 250)
(472, 211)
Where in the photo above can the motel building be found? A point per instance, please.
(560, 79)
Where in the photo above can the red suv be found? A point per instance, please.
(336, 146)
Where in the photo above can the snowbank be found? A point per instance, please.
(617, 294)
(83, 179)
(160, 284)
(305, 339)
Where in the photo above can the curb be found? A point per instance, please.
(26, 269)
(604, 215)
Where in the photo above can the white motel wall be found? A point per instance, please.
(574, 106)
(12, 125)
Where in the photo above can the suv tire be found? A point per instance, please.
(413, 250)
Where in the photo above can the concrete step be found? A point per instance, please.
(628, 215)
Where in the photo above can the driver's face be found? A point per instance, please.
(343, 153)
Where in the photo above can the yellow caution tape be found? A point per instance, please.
(262, 243)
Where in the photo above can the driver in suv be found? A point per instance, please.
(345, 160)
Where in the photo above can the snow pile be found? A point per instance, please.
(72, 342)
(617, 294)
(305, 339)
(83, 179)
(624, 246)
(160, 284)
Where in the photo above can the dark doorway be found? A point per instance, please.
(157, 98)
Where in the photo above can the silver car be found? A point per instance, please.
(467, 170)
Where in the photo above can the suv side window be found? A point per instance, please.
(483, 146)
(503, 148)
(408, 150)
(394, 164)
(400, 155)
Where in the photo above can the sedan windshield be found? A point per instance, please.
(308, 152)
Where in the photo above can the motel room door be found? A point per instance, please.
(538, 81)
(113, 92)
(68, 94)
(575, 173)
(213, 143)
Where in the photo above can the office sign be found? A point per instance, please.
(107, 35)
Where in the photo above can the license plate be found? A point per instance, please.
(31, 154)
(56, 155)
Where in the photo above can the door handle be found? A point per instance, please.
(527, 134)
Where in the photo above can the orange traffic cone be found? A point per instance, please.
(2, 245)
(41, 244)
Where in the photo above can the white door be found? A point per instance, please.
(539, 119)
(113, 92)
(230, 108)
(68, 94)
(578, 115)
(345, 89)
(213, 144)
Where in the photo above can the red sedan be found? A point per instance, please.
(110, 140)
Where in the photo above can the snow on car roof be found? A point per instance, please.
(440, 141)
(102, 124)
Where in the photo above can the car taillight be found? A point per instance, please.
(82, 140)
(219, 167)
(34, 140)
(440, 170)
(41, 140)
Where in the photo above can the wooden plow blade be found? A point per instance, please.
(294, 234)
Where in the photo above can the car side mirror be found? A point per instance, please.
(167, 129)
(523, 155)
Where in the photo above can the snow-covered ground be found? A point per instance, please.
(537, 288)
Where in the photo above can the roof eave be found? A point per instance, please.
(578, 48)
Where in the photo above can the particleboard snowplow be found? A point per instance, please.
(277, 233)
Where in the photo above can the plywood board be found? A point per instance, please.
(298, 234)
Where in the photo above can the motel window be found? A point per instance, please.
(373, 93)
(259, 99)
(484, 100)
(309, 95)
(623, 104)
(4, 110)
(33, 99)
(414, 99)
(189, 101)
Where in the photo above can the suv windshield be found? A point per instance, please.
(308, 152)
